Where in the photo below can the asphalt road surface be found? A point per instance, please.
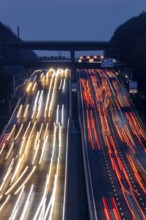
(115, 142)
(33, 150)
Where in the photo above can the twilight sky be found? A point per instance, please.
(66, 19)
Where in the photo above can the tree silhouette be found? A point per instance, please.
(131, 36)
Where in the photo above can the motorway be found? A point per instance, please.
(114, 140)
(33, 150)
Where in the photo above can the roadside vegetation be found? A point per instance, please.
(7, 100)
(131, 36)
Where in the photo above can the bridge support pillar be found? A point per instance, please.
(73, 71)
(72, 55)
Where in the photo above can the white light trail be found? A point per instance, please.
(26, 180)
(22, 144)
(28, 87)
(57, 115)
(36, 151)
(63, 87)
(39, 208)
(5, 202)
(62, 115)
(26, 110)
(7, 174)
(26, 203)
(18, 132)
(19, 111)
(12, 145)
(53, 198)
(26, 129)
(43, 149)
(40, 130)
(60, 84)
(52, 97)
(14, 126)
(40, 104)
(17, 167)
(15, 183)
(48, 97)
(49, 205)
(43, 200)
(2, 148)
(46, 130)
(34, 86)
(16, 204)
(30, 135)
(36, 140)
(35, 104)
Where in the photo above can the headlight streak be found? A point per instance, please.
(15, 209)
(34, 133)
(43, 200)
(48, 97)
(46, 130)
(43, 149)
(34, 86)
(48, 177)
(57, 114)
(60, 85)
(13, 129)
(7, 174)
(66, 73)
(27, 129)
(40, 132)
(63, 87)
(39, 208)
(12, 145)
(36, 140)
(2, 148)
(26, 180)
(41, 76)
(52, 202)
(30, 135)
(62, 115)
(46, 79)
(35, 104)
(29, 87)
(52, 98)
(39, 104)
(52, 199)
(15, 183)
(36, 151)
(17, 167)
(36, 100)
(26, 203)
(40, 71)
(22, 144)
(26, 110)
(19, 111)
(40, 217)
(5, 202)
(18, 133)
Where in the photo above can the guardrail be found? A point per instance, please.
(66, 171)
(88, 180)
(67, 141)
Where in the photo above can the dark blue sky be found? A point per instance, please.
(66, 19)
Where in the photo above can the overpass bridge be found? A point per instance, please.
(64, 45)
(70, 46)
(60, 64)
